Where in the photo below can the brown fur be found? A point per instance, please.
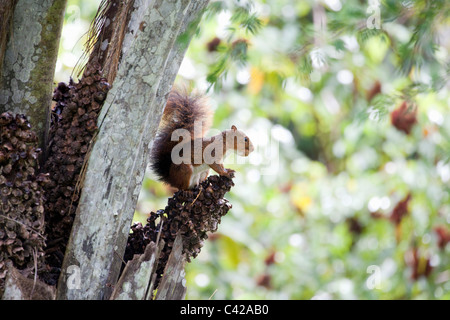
(181, 112)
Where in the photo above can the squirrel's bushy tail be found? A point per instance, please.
(182, 111)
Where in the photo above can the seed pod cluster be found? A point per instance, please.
(73, 125)
(22, 198)
(193, 213)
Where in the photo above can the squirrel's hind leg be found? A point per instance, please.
(199, 174)
(183, 174)
(204, 175)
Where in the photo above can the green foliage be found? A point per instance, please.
(313, 207)
(234, 51)
(243, 19)
(320, 224)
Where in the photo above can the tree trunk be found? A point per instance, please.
(6, 16)
(29, 59)
(117, 163)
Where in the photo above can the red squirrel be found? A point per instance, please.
(181, 154)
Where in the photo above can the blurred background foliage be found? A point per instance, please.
(347, 103)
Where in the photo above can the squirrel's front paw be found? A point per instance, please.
(229, 173)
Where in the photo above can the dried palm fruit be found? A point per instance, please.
(73, 125)
(21, 198)
(194, 213)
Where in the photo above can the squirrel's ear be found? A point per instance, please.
(233, 127)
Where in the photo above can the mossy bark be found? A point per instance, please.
(6, 15)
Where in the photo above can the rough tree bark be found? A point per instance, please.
(117, 163)
(173, 283)
(6, 15)
(137, 279)
(29, 59)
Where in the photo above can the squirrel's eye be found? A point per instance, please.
(246, 139)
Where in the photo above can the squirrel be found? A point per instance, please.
(181, 154)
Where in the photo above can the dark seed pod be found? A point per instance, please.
(73, 125)
(193, 213)
(22, 238)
